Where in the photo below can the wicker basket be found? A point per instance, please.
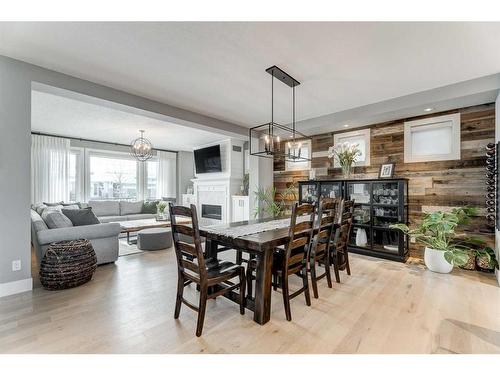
(67, 264)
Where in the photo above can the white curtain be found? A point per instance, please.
(167, 172)
(49, 169)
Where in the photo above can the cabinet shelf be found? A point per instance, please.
(377, 228)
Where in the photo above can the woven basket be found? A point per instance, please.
(67, 264)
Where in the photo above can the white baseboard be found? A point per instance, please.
(14, 287)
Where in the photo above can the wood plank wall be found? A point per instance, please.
(432, 185)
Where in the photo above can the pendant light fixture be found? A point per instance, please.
(273, 140)
(141, 148)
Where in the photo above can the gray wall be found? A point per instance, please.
(185, 172)
(15, 161)
(260, 174)
(16, 78)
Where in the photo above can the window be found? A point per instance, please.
(151, 191)
(305, 151)
(432, 139)
(362, 138)
(76, 175)
(113, 176)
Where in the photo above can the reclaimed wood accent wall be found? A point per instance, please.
(433, 186)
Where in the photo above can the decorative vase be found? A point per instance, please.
(361, 239)
(435, 261)
(346, 171)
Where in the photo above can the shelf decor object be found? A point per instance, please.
(273, 140)
(378, 203)
(386, 170)
(346, 154)
(141, 148)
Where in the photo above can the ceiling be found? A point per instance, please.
(59, 115)
(218, 69)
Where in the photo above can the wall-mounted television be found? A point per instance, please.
(207, 160)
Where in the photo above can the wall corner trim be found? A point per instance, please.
(14, 287)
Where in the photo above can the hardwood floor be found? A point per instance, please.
(384, 307)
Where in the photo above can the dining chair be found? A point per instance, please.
(319, 252)
(339, 248)
(292, 259)
(212, 276)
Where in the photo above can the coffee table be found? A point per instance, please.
(132, 226)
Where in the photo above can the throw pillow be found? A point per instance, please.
(83, 216)
(72, 204)
(56, 219)
(53, 204)
(149, 207)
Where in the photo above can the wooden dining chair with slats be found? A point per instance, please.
(339, 251)
(319, 252)
(292, 260)
(212, 276)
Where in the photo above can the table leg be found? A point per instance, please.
(211, 249)
(262, 312)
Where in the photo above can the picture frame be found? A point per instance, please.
(386, 170)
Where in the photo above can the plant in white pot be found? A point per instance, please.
(444, 247)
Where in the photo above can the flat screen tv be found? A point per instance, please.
(207, 160)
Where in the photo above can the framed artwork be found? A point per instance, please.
(386, 170)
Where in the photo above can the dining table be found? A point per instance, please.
(259, 238)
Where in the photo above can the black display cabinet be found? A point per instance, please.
(378, 204)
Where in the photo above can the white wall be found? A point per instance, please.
(497, 139)
(261, 175)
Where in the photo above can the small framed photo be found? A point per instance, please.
(386, 170)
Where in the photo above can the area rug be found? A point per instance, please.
(126, 249)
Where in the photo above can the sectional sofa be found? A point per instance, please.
(109, 211)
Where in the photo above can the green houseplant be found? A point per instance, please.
(269, 205)
(444, 247)
(161, 206)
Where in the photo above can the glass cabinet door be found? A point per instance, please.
(386, 240)
(330, 190)
(359, 191)
(309, 192)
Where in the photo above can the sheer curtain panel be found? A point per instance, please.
(167, 170)
(49, 169)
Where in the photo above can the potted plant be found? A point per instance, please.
(268, 205)
(444, 248)
(485, 260)
(346, 154)
(160, 207)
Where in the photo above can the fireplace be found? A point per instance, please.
(211, 211)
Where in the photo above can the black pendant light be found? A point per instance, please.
(276, 140)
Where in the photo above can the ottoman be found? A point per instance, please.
(154, 239)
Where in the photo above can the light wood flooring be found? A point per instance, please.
(384, 307)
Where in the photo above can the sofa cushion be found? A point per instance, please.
(53, 204)
(110, 219)
(79, 217)
(37, 222)
(128, 208)
(105, 208)
(139, 216)
(149, 207)
(56, 219)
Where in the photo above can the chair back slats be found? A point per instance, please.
(184, 229)
(300, 235)
(327, 213)
(189, 256)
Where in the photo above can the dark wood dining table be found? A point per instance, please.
(261, 245)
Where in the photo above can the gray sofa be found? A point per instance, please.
(111, 211)
(104, 237)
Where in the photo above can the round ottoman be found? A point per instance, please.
(154, 239)
(67, 264)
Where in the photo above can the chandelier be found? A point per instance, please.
(141, 148)
(273, 140)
